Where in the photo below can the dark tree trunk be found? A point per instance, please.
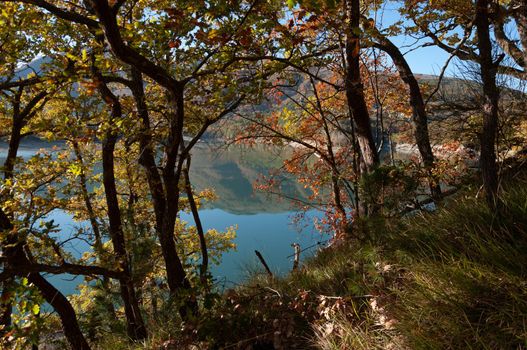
(135, 324)
(15, 137)
(9, 164)
(164, 187)
(14, 251)
(199, 227)
(7, 308)
(14, 143)
(98, 244)
(172, 171)
(147, 151)
(355, 89)
(419, 116)
(63, 307)
(488, 68)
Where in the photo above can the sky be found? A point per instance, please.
(424, 60)
(430, 59)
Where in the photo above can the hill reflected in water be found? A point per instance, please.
(232, 172)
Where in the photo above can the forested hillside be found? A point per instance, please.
(132, 118)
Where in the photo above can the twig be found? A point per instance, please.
(311, 246)
(274, 291)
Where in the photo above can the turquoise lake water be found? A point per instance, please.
(264, 222)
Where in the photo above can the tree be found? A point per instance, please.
(20, 115)
(136, 326)
(196, 70)
(337, 26)
(14, 246)
(478, 48)
(354, 86)
(416, 101)
(313, 124)
(488, 136)
(26, 96)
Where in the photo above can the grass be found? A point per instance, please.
(467, 285)
(453, 279)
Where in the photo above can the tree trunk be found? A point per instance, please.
(63, 307)
(176, 275)
(15, 137)
(355, 89)
(419, 116)
(9, 164)
(136, 328)
(488, 68)
(199, 227)
(147, 151)
(164, 187)
(98, 245)
(135, 324)
(14, 143)
(7, 308)
(14, 252)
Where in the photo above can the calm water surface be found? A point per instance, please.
(264, 222)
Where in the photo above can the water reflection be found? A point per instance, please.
(232, 172)
(264, 222)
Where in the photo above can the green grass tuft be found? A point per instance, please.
(452, 279)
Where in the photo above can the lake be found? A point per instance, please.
(264, 221)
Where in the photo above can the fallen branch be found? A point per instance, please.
(262, 260)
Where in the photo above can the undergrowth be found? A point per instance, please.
(452, 279)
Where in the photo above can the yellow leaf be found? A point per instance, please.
(36, 309)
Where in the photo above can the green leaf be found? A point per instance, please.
(75, 169)
(35, 309)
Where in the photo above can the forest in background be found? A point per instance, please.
(130, 88)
